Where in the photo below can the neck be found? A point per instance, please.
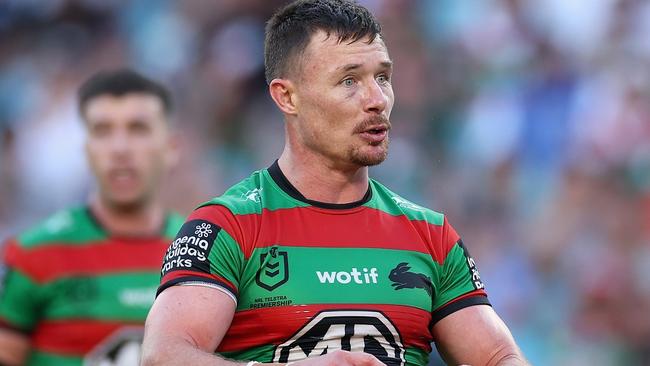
(320, 179)
(136, 221)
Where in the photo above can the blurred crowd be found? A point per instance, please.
(526, 122)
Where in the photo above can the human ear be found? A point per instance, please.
(283, 93)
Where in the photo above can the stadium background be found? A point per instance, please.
(527, 122)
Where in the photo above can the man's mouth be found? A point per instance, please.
(375, 130)
(375, 134)
(122, 176)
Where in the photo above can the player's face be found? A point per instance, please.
(128, 147)
(345, 97)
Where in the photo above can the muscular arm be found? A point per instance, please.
(13, 347)
(187, 323)
(185, 326)
(476, 336)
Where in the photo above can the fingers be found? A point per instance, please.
(341, 358)
(360, 359)
(364, 359)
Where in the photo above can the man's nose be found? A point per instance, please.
(120, 144)
(376, 98)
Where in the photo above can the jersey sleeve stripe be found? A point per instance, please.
(210, 285)
(196, 278)
(477, 297)
(205, 277)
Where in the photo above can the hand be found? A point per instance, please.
(341, 358)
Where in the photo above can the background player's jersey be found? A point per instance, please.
(309, 278)
(82, 296)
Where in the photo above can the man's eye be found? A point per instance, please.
(140, 128)
(348, 82)
(100, 130)
(382, 79)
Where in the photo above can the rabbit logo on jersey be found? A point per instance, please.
(349, 330)
(191, 246)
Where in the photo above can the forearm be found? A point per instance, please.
(175, 351)
(509, 357)
(512, 360)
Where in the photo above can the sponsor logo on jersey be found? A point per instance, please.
(137, 297)
(121, 348)
(203, 230)
(357, 331)
(270, 302)
(191, 246)
(364, 276)
(274, 269)
(471, 264)
(402, 278)
(79, 291)
(252, 195)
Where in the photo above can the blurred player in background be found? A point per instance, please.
(77, 287)
(310, 262)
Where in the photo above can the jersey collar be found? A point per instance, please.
(281, 180)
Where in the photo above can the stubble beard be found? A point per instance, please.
(358, 157)
(126, 206)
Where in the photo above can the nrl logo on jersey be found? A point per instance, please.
(274, 269)
(356, 331)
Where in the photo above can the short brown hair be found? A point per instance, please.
(289, 30)
(120, 82)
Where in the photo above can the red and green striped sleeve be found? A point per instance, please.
(458, 283)
(205, 252)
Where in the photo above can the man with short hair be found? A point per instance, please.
(310, 262)
(78, 286)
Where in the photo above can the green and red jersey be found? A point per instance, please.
(311, 277)
(80, 294)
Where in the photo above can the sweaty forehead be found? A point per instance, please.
(326, 52)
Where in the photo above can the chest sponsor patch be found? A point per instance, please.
(349, 330)
(354, 276)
